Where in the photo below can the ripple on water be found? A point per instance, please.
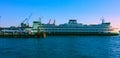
(62, 47)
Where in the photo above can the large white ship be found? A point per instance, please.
(74, 28)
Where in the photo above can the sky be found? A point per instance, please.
(13, 12)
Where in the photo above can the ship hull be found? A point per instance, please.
(82, 33)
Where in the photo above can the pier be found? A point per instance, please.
(12, 33)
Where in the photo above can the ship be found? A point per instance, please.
(74, 28)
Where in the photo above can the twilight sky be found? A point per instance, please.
(13, 12)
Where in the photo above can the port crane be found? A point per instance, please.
(54, 22)
(25, 23)
(49, 21)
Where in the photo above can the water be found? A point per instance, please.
(61, 47)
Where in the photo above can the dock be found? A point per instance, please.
(15, 33)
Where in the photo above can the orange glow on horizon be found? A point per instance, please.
(115, 22)
(115, 25)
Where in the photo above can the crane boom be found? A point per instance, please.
(25, 23)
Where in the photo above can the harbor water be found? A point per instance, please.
(61, 47)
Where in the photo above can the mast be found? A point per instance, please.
(40, 20)
(103, 20)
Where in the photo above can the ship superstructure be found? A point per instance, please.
(74, 28)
